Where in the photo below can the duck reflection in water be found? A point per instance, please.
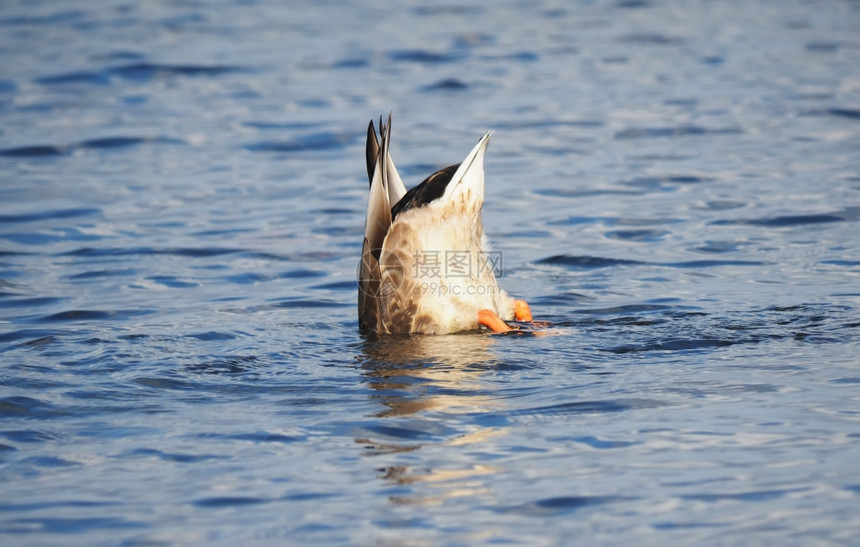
(413, 377)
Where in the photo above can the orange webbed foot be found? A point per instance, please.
(489, 319)
(522, 311)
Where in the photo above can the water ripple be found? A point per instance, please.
(173, 457)
(590, 407)
(678, 131)
(228, 501)
(424, 56)
(50, 214)
(140, 72)
(306, 143)
(49, 19)
(755, 495)
(783, 221)
(35, 151)
(448, 84)
(94, 315)
(561, 505)
(104, 143)
(848, 113)
(60, 525)
(593, 262)
(588, 262)
(193, 252)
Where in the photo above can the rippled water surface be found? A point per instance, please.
(675, 186)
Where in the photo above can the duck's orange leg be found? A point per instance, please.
(489, 319)
(522, 311)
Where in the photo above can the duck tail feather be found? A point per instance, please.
(378, 205)
(371, 151)
(469, 177)
(393, 182)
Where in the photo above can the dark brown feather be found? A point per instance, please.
(430, 189)
(371, 151)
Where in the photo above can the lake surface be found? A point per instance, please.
(675, 186)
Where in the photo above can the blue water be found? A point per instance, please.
(676, 186)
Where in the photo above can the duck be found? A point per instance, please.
(426, 266)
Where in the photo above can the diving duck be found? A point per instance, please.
(425, 264)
